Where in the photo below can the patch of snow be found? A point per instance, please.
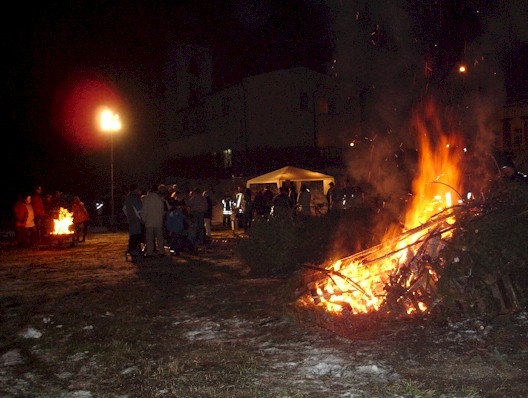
(64, 375)
(79, 394)
(373, 369)
(11, 357)
(79, 356)
(31, 333)
(328, 366)
(208, 331)
(132, 369)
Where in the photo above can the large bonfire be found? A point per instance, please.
(396, 276)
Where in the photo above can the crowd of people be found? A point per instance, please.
(182, 220)
(167, 217)
(247, 206)
(34, 216)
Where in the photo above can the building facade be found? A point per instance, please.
(188, 79)
(292, 108)
(513, 135)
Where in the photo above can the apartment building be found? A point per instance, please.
(291, 108)
(513, 135)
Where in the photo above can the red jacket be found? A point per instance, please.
(80, 214)
(21, 214)
(38, 205)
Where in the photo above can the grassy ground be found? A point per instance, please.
(84, 322)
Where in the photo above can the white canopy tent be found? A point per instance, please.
(290, 173)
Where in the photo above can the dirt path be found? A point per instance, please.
(199, 326)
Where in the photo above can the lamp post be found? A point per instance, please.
(110, 123)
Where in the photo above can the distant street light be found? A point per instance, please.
(110, 123)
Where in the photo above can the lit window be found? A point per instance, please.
(228, 158)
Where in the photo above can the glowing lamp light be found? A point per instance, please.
(110, 121)
(462, 69)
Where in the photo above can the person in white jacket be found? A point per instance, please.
(152, 214)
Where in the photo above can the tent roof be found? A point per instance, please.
(289, 173)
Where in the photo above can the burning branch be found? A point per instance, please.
(394, 276)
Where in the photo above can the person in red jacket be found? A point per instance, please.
(21, 214)
(38, 210)
(81, 219)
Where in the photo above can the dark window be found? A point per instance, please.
(194, 95)
(517, 138)
(348, 105)
(225, 106)
(194, 67)
(303, 102)
(332, 106)
(185, 123)
(525, 133)
(506, 134)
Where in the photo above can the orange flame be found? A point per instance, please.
(359, 283)
(63, 223)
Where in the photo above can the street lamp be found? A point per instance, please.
(110, 123)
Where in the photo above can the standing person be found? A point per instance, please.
(247, 209)
(268, 199)
(178, 199)
(238, 208)
(208, 216)
(164, 193)
(281, 204)
(21, 213)
(197, 204)
(175, 225)
(47, 222)
(304, 201)
(132, 210)
(57, 201)
(152, 214)
(173, 190)
(31, 231)
(292, 193)
(330, 197)
(38, 209)
(227, 205)
(81, 219)
(259, 205)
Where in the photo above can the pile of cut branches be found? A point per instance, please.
(479, 270)
(483, 268)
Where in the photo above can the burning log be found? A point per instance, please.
(395, 277)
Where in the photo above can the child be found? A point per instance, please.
(191, 235)
(175, 226)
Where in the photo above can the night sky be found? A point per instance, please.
(59, 52)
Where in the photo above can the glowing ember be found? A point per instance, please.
(394, 270)
(63, 223)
